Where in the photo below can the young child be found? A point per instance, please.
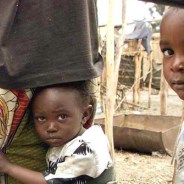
(172, 47)
(76, 155)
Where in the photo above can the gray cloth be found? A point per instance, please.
(167, 2)
(48, 42)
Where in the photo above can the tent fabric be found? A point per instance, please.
(142, 31)
(167, 2)
(48, 42)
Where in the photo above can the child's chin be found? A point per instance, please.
(181, 95)
(179, 91)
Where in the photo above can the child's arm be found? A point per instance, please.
(22, 174)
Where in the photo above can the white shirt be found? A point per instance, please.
(83, 158)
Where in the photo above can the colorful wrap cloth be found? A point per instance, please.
(17, 136)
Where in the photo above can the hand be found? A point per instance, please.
(4, 162)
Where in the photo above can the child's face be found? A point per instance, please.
(58, 115)
(172, 46)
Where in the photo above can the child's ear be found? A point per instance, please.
(87, 114)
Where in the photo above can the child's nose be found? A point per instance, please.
(178, 64)
(52, 127)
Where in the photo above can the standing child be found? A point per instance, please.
(172, 47)
(76, 155)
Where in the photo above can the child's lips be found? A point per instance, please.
(53, 140)
(52, 136)
(178, 85)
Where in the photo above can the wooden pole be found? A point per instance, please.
(163, 95)
(150, 79)
(138, 61)
(119, 46)
(139, 76)
(135, 95)
(136, 90)
(103, 88)
(110, 92)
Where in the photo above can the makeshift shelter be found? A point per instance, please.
(140, 67)
(136, 57)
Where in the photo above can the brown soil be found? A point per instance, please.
(137, 168)
(134, 168)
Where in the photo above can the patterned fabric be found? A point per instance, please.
(82, 159)
(13, 104)
(17, 135)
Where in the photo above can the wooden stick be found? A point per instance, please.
(119, 46)
(110, 92)
(134, 105)
(163, 95)
(150, 80)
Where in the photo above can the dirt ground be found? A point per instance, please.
(174, 104)
(137, 168)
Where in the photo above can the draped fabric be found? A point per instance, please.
(167, 2)
(17, 135)
(48, 42)
(13, 104)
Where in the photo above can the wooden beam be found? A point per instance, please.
(110, 92)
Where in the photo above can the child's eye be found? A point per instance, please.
(62, 117)
(167, 52)
(40, 118)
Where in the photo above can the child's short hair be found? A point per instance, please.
(85, 89)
